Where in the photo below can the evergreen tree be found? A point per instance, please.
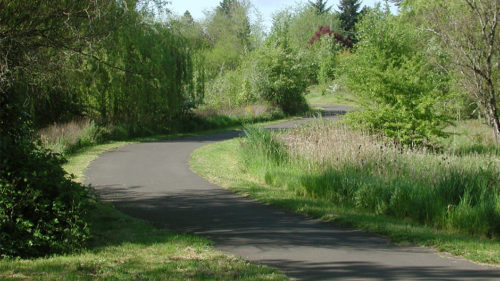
(349, 12)
(225, 6)
(187, 18)
(320, 6)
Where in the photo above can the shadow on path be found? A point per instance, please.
(304, 249)
(152, 181)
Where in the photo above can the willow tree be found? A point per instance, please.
(41, 209)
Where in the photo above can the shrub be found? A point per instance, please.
(391, 70)
(284, 74)
(41, 210)
(70, 136)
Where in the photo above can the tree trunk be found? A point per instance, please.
(494, 113)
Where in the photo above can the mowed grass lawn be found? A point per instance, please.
(125, 248)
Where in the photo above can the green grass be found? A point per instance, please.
(125, 248)
(277, 183)
(470, 136)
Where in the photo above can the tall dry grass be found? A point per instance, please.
(66, 137)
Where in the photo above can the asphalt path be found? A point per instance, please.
(152, 181)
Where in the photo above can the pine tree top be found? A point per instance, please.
(320, 6)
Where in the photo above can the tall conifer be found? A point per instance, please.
(320, 6)
(349, 12)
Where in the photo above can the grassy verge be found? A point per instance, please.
(124, 248)
(294, 187)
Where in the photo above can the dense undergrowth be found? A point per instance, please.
(459, 193)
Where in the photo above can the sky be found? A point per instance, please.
(265, 7)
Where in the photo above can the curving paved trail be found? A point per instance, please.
(152, 181)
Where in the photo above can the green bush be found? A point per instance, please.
(391, 70)
(326, 51)
(284, 74)
(41, 210)
(261, 142)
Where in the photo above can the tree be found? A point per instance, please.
(109, 53)
(229, 31)
(41, 210)
(468, 30)
(349, 11)
(320, 6)
(284, 80)
(391, 71)
(187, 18)
(226, 5)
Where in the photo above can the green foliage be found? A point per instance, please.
(466, 31)
(304, 22)
(317, 59)
(234, 88)
(41, 210)
(107, 60)
(391, 69)
(149, 86)
(230, 35)
(327, 50)
(275, 73)
(283, 69)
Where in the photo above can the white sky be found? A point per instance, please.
(265, 7)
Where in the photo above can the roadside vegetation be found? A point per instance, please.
(325, 170)
(86, 73)
(120, 247)
(124, 248)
